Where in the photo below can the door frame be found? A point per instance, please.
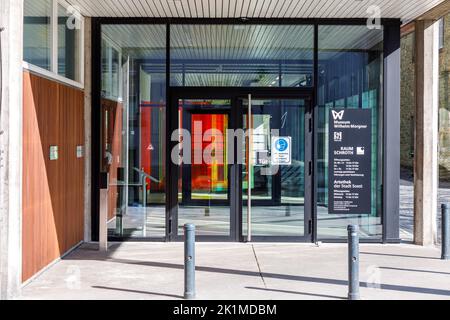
(308, 178)
(235, 94)
(172, 169)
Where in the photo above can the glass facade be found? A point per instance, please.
(69, 44)
(275, 64)
(242, 55)
(133, 108)
(53, 40)
(350, 76)
(111, 66)
(37, 33)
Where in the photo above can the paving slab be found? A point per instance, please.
(136, 270)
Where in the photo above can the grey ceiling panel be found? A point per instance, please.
(403, 9)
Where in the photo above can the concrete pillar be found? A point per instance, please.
(426, 132)
(87, 128)
(11, 21)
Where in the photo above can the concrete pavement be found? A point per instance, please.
(243, 271)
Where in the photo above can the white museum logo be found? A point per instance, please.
(337, 115)
(338, 136)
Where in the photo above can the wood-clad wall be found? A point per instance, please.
(53, 196)
(111, 135)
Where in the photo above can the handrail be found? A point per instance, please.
(143, 173)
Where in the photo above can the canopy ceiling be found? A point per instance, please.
(403, 9)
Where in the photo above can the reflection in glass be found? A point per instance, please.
(111, 59)
(69, 49)
(37, 34)
(277, 192)
(133, 128)
(242, 55)
(350, 68)
(203, 187)
(210, 178)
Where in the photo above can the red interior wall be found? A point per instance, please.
(202, 173)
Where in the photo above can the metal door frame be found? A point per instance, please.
(173, 169)
(308, 179)
(389, 129)
(235, 170)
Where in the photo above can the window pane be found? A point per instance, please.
(242, 55)
(203, 185)
(37, 35)
(110, 69)
(133, 128)
(441, 32)
(350, 73)
(69, 42)
(277, 191)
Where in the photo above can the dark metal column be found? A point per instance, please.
(391, 133)
(445, 240)
(189, 261)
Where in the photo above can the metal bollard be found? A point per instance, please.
(144, 191)
(445, 240)
(353, 262)
(288, 211)
(119, 224)
(189, 261)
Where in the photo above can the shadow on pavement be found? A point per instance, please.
(415, 270)
(296, 292)
(139, 291)
(399, 255)
(390, 287)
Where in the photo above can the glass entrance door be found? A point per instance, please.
(243, 174)
(203, 177)
(276, 170)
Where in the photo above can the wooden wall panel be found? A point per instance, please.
(53, 194)
(112, 117)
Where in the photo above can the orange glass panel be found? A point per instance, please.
(209, 176)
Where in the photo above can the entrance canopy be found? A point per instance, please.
(404, 9)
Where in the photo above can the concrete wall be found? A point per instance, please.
(11, 21)
(444, 105)
(407, 102)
